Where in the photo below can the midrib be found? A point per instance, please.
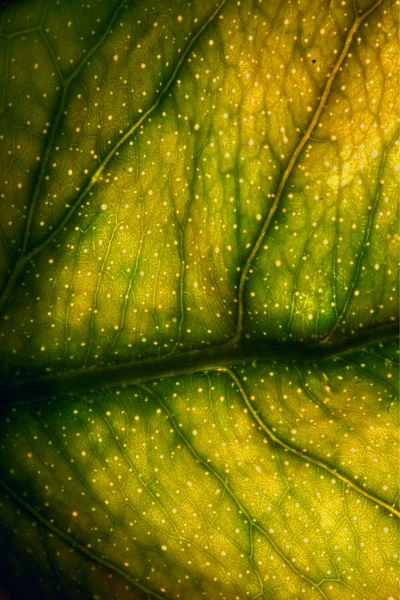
(100, 376)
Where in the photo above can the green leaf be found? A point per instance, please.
(199, 300)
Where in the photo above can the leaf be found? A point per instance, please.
(199, 243)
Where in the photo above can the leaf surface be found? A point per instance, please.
(199, 305)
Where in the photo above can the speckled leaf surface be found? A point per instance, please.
(199, 300)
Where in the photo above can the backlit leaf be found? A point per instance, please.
(199, 299)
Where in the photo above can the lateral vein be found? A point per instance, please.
(304, 456)
(75, 544)
(26, 256)
(292, 163)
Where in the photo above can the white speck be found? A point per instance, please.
(278, 263)
(104, 206)
(70, 172)
(116, 57)
(211, 42)
(251, 143)
(163, 548)
(310, 316)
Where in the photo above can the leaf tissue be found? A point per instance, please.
(199, 299)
